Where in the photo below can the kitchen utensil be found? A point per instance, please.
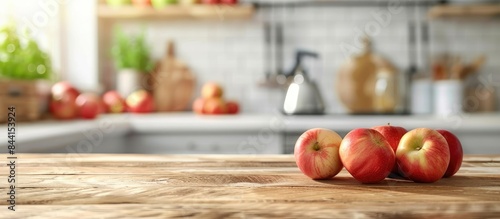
(406, 80)
(273, 57)
(173, 83)
(303, 95)
(439, 68)
(473, 68)
(456, 69)
(357, 79)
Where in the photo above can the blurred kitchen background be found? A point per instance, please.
(283, 66)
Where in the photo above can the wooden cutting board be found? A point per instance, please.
(173, 83)
(235, 186)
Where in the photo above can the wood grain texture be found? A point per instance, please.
(235, 186)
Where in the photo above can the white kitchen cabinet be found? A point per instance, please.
(205, 143)
(185, 133)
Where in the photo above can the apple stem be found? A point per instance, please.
(389, 124)
(316, 146)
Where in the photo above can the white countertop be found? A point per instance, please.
(164, 123)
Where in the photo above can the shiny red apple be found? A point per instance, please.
(393, 134)
(215, 106)
(88, 105)
(102, 107)
(232, 107)
(114, 102)
(456, 152)
(63, 88)
(367, 155)
(423, 155)
(62, 103)
(140, 101)
(229, 2)
(211, 2)
(199, 105)
(142, 3)
(317, 153)
(211, 90)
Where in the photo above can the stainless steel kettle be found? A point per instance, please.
(303, 95)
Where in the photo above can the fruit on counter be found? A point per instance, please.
(317, 153)
(211, 2)
(88, 105)
(211, 89)
(64, 107)
(102, 107)
(162, 3)
(232, 107)
(423, 155)
(114, 102)
(140, 101)
(212, 101)
(62, 103)
(456, 152)
(141, 3)
(215, 106)
(393, 134)
(198, 106)
(367, 155)
(63, 88)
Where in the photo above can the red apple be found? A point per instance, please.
(367, 155)
(232, 107)
(199, 105)
(393, 134)
(88, 105)
(62, 88)
(211, 2)
(317, 153)
(211, 90)
(140, 102)
(64, 107)
(62, 103)
(456, 152)
(215, 106)
(142, 3)
(114, 102)
(102, 107)
(423, 155)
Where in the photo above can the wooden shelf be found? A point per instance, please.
(446, 11)
(220, 12)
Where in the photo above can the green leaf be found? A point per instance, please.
(18, 58)
(131, 52)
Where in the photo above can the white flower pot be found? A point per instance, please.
(128, 81)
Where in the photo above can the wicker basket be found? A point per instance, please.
(23, 95)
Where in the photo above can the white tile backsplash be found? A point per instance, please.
(232, 52)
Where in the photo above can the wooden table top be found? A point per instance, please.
(218, 186)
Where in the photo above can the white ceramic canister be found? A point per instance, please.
(421, 96)
(448, 96)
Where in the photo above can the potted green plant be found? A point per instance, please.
(132, 57)
(24, 73)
